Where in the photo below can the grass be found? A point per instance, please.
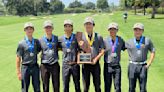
(11, 32)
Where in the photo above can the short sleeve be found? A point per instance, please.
(105, 45)
(60, 43)
(123, 45)
(151, 46)
(101, 43)
(127, 45)
(38, 46)
(19, 51)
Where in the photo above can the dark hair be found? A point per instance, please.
(91, 23)
(68, 24)
(30, 27)
(71, 26)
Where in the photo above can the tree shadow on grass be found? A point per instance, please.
(157, 18)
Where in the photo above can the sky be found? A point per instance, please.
(66, 2)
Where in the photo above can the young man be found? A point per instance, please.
(69, 46)
(26, 58)
(138, 48)
(49, 58)
(112, 69)
(96, 44)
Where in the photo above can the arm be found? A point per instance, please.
(18, 71)
(98, 56)
(38, 46)
(59, 47)
(123, 45)
(18, 61)
(59, 44)
(152, 56)
(102, 50)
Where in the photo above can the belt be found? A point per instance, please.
(70, 63)
(48, 64)
(113, 66)
(30, 65)
(138, 63)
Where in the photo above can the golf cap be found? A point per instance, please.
(113, 25)
(89, 20)
(138, 25)
(68, 21)
(48, 23)
(28, 24)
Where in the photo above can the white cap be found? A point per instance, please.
(89, 20)
(28, 24)
(113, 25)
(48, 23)
(68, 21)
(138, 25)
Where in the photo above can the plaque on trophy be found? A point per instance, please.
(85, 56)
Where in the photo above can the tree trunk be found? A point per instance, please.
(135, 10)
(144, 10)
(153, 11)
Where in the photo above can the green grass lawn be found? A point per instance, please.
(11, 32)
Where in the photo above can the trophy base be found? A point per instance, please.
(84, 58)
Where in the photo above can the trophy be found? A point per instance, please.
(83, 57)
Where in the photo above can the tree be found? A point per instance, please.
(89, 5)
(102, 4)
(154, 4)
(44, 6)
(2, 8)
(162, 6)
(75, 4)
(122, 4)
(129, 3)
(22, 7)
(56, 7)
(138, 4)
(144, 3)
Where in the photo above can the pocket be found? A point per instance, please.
(131, 70)
(110, 70)
(143, 72)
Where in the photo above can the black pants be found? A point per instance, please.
(67, 71)
(28, 71)
(112, 73)
(137, 72)
(87, 70)
(53, 71)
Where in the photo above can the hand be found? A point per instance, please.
(71, 63)
(147, 66)
(94, 61)
(19, 75)
(78, 63)
(81, 43)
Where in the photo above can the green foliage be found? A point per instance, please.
(74, 10)
(56, 7)
(158, 11)
(141, 3)
(2, 7)
(34, 7)
(89, 5)
(75, 4)
(102, 4)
